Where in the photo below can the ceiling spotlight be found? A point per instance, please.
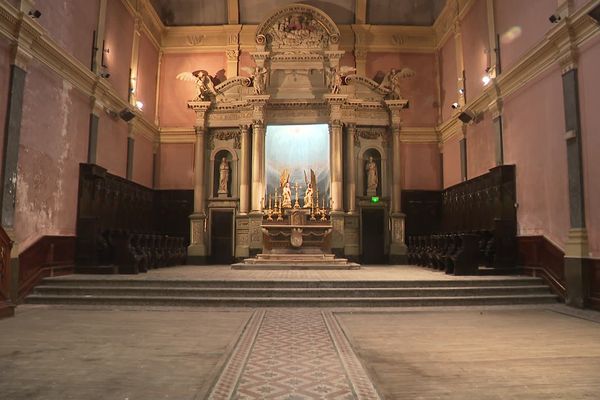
(139, 105)
(554, 18)
(486, 79)
(35, 14)
(455, 105)
(461, 91)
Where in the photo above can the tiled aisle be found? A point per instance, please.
(293, 354)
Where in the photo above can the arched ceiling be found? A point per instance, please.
(379, 12)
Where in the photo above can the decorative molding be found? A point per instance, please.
(225, 134)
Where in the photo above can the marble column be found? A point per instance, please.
(258, 165)
(244, 170)
(336, 154)
(398, 249)
(197, 251)
(350, 173)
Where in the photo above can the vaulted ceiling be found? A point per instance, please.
(379, 12)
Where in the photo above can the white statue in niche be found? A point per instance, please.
(223, 178)
(203, 81)
(391, 82)
(372, 177)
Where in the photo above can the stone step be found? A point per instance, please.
(278, 265)
(99, 291)
(276, 256)
(291, 301)
(125, 281)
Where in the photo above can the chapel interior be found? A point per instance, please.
(322, 140)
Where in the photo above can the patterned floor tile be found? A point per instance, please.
(293, 354)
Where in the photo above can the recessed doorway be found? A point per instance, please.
(221, 239)
(373, 236)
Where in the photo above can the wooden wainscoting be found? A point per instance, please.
(539, 257)
(6, 306)
(48, 256)
(594, 280)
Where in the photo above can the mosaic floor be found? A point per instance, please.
(293, 354)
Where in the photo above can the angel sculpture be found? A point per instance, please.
(391, 81)
(203, 81)
(310, 185)
(259, 78)
(286, 190)
(335, 77)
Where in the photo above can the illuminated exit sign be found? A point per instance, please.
(374, 199)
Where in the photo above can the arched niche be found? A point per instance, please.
(216, 158)
(365, 166)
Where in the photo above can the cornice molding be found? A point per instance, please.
(418, 135)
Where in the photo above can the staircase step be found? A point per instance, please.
(292, 301)
(99, 291)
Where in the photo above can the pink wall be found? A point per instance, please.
(452, 162)
(174, 93)
(53, 143)
(476, 55)
(534, 140)
(448, 77)
(420, 90)
(589, 82)
(118, 39)
(142, 161)
(348, 60)
(4, 85)
(176, 166)
(481, 147)
(245, 60)
(112, 145)
(71, 24)
(147, 74)
(421, 166)
(521, 25)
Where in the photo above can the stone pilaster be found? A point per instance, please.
(245, 170)
(398, 248)
(335, 149)
(350, 173)
(232, 51)
(197, 251)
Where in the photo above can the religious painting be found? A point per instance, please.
(298, 149)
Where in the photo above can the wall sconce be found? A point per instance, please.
(35, 14)
(487, 78)
(455, 105)
(139, 105)
(105, 50)
(126, 114)
(467, 116)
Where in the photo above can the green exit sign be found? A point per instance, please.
(374, 199)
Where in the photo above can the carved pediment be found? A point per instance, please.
(297, 26)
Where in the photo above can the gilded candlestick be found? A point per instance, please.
(296, 204)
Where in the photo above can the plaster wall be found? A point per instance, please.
(71, 24)
(146, 78)
(118, 40)
(420, 90)
(174, 93)
(451, 162)
(448, 77)
(142, 161)
(53, 142)
(112, 145)
(474, 29)
(589, 82)
(481, 147)
(534, 140)
(521, 25)
(421, 166)
(176, 169)
(4, 87)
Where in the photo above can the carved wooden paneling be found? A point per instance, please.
(48, 256)
(423, 210)
(594, 284)
(6, 308)
(539, 257)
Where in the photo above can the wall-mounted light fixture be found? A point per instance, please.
(126, 114)
(455, 105)
(139, 105)
(35, 14)
(105, 50)
(105, 75)
(468, 115)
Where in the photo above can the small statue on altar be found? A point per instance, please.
(223, 177)
(309, 194)
(286, 190)
(372, 177)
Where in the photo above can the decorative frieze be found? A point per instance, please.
(225, 134)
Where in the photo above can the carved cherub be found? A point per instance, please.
(203, 81)
(335, 77)
(259, 78)
(391, 81)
